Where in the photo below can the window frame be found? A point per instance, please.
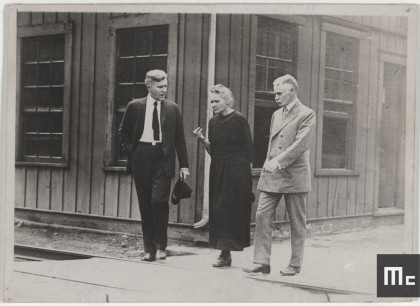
(362, 76)
(293, 21)
(23, 32)
(127, 22)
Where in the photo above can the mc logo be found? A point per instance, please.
(394, 271)
(397, 275)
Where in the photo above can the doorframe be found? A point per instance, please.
(397, 59)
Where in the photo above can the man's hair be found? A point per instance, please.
(224, 92)
(155, 75)
(287, 79)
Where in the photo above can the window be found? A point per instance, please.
(339, 100)
(138, 51)
(275, 56)
(43, 97)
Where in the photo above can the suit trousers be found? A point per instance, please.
(153, 190)
(296, 208)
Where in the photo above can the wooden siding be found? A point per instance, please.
(84, 187)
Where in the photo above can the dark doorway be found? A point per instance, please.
(392, 137)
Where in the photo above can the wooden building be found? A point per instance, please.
(77, 71)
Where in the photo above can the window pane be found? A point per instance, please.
(44, 145)
(43, 97)
(126, 45)
(30, 48)
(140, 91)
(334, 144)
(29, 97)
(43, 74)
(29, 76)
(125, 70)
(44, 49)
(30, 121)
(142, 66)
(57, 74)
(44, 123)
(56, 145)
(262, 120)
(159, 62)
(56, 120)
(160, 41)
(30, 145)
(57, 52)
(143, 42)
(124, 95)
(57, 97)
(260, 77)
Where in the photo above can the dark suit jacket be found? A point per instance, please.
(173, 138)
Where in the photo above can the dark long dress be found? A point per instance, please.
(230, 182)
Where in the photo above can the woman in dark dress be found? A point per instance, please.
(230, 198)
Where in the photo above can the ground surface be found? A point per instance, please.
(116, 245)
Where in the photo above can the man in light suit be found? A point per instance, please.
(151, 131)
(286, 172)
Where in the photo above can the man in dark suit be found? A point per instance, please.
(151, 131)
(286, 172)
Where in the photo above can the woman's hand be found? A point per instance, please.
(198, 133)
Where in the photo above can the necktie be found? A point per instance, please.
(284, 113)
(155, 123)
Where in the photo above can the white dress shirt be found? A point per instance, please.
(148, 130)
(288, 107)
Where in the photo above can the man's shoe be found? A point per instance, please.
(148, 257)
(290, 271)
(223, 262)
(264, 269)
(161, 255)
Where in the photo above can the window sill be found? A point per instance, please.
(114, 168)
(336, 172)
(41, 164)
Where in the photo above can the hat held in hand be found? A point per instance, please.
(181, 191)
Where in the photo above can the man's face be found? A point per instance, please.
(285, 94)
(158, 89)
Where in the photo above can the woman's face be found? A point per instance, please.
(217, 103)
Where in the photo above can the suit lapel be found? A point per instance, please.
(163, 111)
(285, 121)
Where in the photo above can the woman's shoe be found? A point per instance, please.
(223, 262)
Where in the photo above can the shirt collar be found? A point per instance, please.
(289, 106)
(151, 101)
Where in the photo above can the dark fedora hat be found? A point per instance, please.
(180, 191)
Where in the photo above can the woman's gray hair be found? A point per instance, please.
(155, 75)
(224, 92)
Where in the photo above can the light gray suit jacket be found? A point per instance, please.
(289, 145)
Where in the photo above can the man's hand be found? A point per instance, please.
(183, 173)
(270, 166)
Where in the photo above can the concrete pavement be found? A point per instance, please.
(339, 262)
